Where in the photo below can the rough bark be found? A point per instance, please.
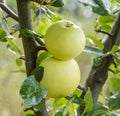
(98, 75)
(29, 44)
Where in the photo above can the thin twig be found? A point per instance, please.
(10, 13)
(84, 90)
(42, 2)
(22, 57)
(104, 32)
(39, 41)
(42, 48)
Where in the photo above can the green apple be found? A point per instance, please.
(65, 40)
(60, 78)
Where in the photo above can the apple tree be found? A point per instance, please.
(30, 24)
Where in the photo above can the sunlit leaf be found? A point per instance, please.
(77, 92)
(67, 106)
(59, 102)
(106, 19)
(105, 22)
(43, 26)
(114, 101)
(88, 102)
(54, 17)
(2, 35)
(105, 27)
(114, 49)
(42, 56)
(19, 62)
(114, 84)
(96, 41)
(29, 113)
(12, 45)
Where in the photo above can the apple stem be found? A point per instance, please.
(69, 24)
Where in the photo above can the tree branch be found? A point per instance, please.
(104, 32)
(39, 41)
(10, 13)
(98, 75)
(42, 2)
(42, 48)
(29, 44)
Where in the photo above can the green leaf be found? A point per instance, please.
(2, 35)
(105, 22)
(88, 102)
(97, 61)
(114, 84)
(42, 56)
(19, 62)
(96, 41)
(101, 7)
(76, 100)
(60, 113)
(53, 17)
(105, 5)
(29, 113)
(32, 92)
(12, 45)
(59, 102)
(77, 92)
(114, 101)
(38, 73)
(106, 19)
(114, 49)
(105, 27)
(93, 50)
(57, 3)
(30, 33)
(65, 110)
(43, 26)
(98, 110)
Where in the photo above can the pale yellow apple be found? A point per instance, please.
(60, 78)
(65, 40)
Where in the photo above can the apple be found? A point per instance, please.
(60, 78)
(65, 40)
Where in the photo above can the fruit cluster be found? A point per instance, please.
(65, 41)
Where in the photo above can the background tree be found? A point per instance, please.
(106, 51)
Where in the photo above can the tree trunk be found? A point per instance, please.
(29, 44)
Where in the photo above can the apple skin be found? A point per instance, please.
(65, 40)
(60, 78)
